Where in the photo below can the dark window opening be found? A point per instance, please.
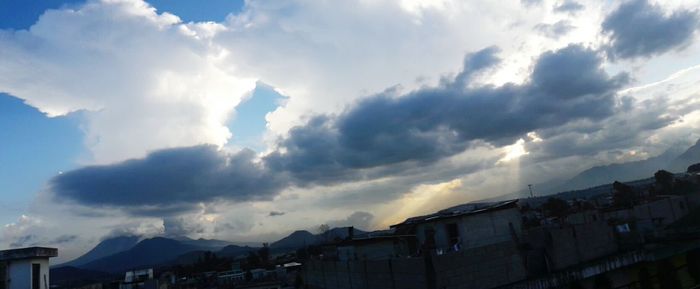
(3, 275)
(36, 276)
(453, 234)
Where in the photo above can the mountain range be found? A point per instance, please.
(118, 254)
(674, 160)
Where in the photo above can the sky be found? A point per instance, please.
(247, 120)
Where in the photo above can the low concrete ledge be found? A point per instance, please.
(28, 253)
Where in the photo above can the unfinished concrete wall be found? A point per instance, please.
(484, 267)
(475, 230)
(386, 274)
(568, 245)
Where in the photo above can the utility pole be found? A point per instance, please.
(530, 187)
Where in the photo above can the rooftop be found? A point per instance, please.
(27, 253)
(461, 210)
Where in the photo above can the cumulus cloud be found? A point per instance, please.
(555, 30)
(170, 181)
(380, 136)
(432, 123)
(121, 58)
(568, 6)
(361, 220)
(178, 227)
(638, 28)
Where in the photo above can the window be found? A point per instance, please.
(453, 234)
(36, 276)
(3, 275)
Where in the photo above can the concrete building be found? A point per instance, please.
(466, 226)
(26, 268)
(139, 279)
(376, 247)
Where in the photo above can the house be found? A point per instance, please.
(376, 247)
(465, 226)
(26, 268)
(139, 279)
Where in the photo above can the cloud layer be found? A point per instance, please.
(377, 137)
(641, 29)
(170, 181)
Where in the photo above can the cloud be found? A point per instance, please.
(432, 123)
(381, 136)
(275, 214)
(555, 30)
(568, 6)
(113, 59)
(640, 29)
(361, 220)
(171, 181)
(178, 227)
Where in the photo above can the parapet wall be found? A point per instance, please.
(485, 267)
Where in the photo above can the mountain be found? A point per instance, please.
(671, 160)
(300, 239)
(149, 252)
(205, 244)
(622, 172)
(105, 248)
(235, 251)
(689, 157)
(69, 276)
(297, 239)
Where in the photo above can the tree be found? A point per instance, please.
(664, 180)
(644, 278)
(693, 261)
(556, 207)
(694, 168)
(667, 275)
(264, 254)
(324, 231)
(624, 195)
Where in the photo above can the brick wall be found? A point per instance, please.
(484, 267)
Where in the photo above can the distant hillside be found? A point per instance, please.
(672, 160)
(69, 276)
(618, 172)
(105, 248)
(299, 239)
(205, 244)
(146, 253)
(689, 157)
(231, 251)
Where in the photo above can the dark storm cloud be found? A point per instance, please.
(178, 227)
(384, 135)
(169, 181)
(555, 30)
(32, 240)
(638, 28)
(432, 123)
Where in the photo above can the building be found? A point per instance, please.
(376, 247)
(139, 279)
(26, 268)
(465, 226)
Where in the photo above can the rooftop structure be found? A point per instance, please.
(26, 268)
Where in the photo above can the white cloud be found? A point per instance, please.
(147, 80)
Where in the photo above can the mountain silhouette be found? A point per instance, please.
(105, 248)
